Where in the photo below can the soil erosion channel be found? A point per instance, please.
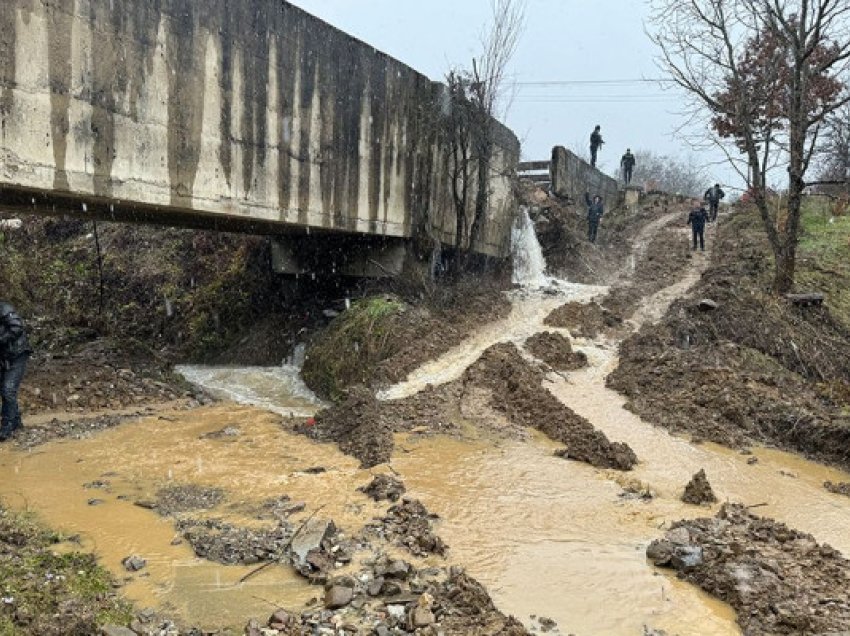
(547, 536)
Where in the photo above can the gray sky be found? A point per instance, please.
(564, 41)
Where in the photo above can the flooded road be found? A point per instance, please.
(546, 536)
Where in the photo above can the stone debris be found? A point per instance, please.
(778, 580)
(133, 563)
(698, 491)
(410, 525)
(384, 488)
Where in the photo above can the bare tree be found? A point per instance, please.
(477, 99)
(669, 174)
(834, 172)
(765, 74)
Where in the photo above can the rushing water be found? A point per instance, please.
(547, 536)
(529, 266)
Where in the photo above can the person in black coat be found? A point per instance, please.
(14, 355)
(595, 144)
(697, 219)
(595, 210)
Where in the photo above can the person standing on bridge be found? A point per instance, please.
(696, 219)
(627, 163)
(595, 210)
(14, 355)
(595, 144)
(713, 196)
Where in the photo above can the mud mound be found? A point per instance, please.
(409, 525)
(357, 425)
(584, 320)
(698, 491)
(840, 488)
(518, 392)
(384, 488)
(468, 609)
(381, 339)
(556, 351)
(179, 498)
(778, 580)
(216, 541)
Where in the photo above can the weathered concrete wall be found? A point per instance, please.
(235, 109)
(572, 177)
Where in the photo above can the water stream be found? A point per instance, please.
(547, 536)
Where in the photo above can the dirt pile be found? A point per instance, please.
(840, 488)
(221, 542)
(556, 351)
(384, 488)
(779, 581)
(381, 339)
(698, 491)
(393, 597)
(751, 369)
(518, 392)
(584, 320)
(408, 525)
(179, 498)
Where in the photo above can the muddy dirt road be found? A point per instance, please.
(547, 537)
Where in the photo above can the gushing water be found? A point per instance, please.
(528, 262)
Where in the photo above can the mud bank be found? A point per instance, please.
(501, 380)
(745, 367)
(779, 581)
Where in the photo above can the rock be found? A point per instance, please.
(133, 563)
(375, 586)
(788, 473)
(280, 619)
(698, 491)
(421, 617)
(116, 630)
(660, 552)
(310, 538)
(686, 557)
(678, 536)
(339, 594)
(95, 502)
(397, 569)
(706, 304)
(753, 460)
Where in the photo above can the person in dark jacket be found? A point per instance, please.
(713, 196)
(595, 210)
(595, 144)
(696, 219)
(14, 355)
(627, 163)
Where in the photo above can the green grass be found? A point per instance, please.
(824, 257)
(352, 346)
(43, 584)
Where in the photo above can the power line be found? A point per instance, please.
(606, 82)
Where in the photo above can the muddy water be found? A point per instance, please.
(260, 463)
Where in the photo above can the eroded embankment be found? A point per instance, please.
(746, 366)
(364, 426)
(780, 581)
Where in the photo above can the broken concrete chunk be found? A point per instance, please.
(310, 538)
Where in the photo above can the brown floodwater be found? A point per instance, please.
(548, 537)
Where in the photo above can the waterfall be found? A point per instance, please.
(528, 263)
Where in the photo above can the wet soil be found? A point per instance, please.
(840, 488)
(556, 351)
(698, 491)
(517, 391)
(363, 426)
(381, 340)
(779, 581)
(384, 488)
(584, 320)
(747, 367)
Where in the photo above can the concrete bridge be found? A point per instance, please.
(244, 115)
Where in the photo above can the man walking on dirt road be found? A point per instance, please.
(595, 210)
(713, 196)
(14, 355)
(595, 144)
(696, 219)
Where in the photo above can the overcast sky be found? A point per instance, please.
(574, 41)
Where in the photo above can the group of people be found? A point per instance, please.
(627, 161)
(697, 218)
(14, 355)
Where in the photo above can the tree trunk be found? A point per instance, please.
(786, 262)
